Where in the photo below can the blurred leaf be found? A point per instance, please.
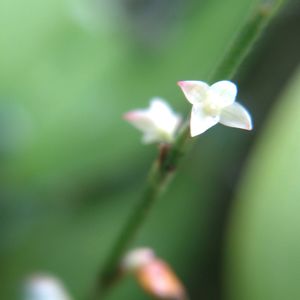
(264, 243)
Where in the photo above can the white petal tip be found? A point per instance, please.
(249, 127)
(236, 116)
(193, 135)
(197, 131)
(246, 124)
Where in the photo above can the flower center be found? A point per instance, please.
(212, 106)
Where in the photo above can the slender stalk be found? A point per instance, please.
(245, 39)
(158, 178)
(169, 157)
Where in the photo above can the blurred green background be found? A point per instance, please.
(71, 169)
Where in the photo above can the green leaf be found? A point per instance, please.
(264, 245)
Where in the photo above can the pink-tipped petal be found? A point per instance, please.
(139, 119)
(236, 116)
(194, 91)
(181, 83)
(129, 116)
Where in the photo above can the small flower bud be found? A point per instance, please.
(44, 287)
(159, 280)
(137, 258)
(154, 275)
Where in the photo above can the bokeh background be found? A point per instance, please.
(71, 169)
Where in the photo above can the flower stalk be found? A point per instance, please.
(169, 156)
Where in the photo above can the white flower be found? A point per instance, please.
(158, 122)
(214, 104)
(44, 287)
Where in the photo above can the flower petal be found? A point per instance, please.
(163, 116)
(237, 116)
(200, 121)
(226, 90)
(140, 119)
(159, 107)
(194, 91)
(151, 137)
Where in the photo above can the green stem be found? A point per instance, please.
(245, 40)
(158, 178)
(167, 162)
